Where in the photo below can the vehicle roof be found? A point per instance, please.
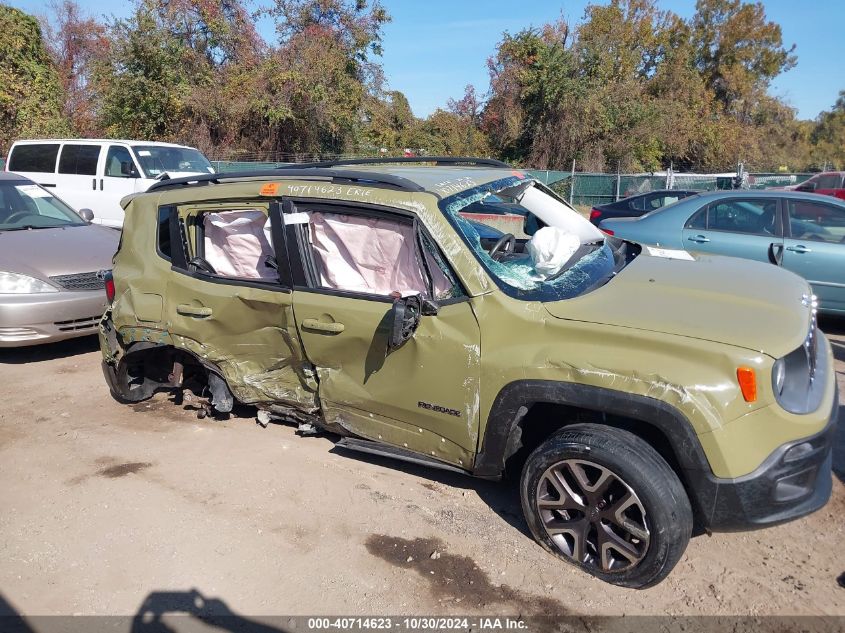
(31, 141)
(441, 180)
(653, 191)
(762, 193)
(440, 177)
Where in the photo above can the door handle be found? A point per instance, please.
(194, 311)
(799, 249)
(94, 185)
(323, 326)
(101, 184)
(700, 239)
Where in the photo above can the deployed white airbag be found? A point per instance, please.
(550, 248)
(237, 243)
(556, 213)
(366, 254)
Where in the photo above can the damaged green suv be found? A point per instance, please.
(640, 395)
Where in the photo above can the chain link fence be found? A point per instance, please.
(588, 189)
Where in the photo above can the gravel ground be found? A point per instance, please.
(107, 507)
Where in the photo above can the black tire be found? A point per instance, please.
(658, 513)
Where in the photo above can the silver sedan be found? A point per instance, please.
(49, 260)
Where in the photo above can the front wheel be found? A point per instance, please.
(603, 499)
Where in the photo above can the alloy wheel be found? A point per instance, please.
(592, 515)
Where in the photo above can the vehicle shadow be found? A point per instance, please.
(49, 351)
(502, 497)
(161, 612)
(10, 620)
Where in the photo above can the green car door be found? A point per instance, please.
(349, 263)
(749, 228)
(815, 249)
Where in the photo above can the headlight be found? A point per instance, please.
(779, 376)
(16, 284)
(800, 377)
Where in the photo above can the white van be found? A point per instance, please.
(95, 174)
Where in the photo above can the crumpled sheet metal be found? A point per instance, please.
(286, 379)
(698, 398)
(267, 369)
(696, 377)
(397, 433)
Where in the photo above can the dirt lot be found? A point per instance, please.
(104, 506)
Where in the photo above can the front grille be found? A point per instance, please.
(79, 281)
(77, 324)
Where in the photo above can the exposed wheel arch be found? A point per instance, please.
(144, 369)
(526, 412)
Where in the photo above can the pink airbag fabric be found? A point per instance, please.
(370, 255)
(237, 243)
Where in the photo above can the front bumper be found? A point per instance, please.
(792, 482)
(51, 316)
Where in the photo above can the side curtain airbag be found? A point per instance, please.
(363, 254)
(237, 243)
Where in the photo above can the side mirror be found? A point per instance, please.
(127, 169)
(86, 214)
(404, 320)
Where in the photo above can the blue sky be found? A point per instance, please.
(433, 48)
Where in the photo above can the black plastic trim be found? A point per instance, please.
(346, 294)
(751, 501)
(747, 502)
(304, 172)
(514, 400)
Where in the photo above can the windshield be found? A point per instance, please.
(156, 160)
(25, 205)
(543, 226)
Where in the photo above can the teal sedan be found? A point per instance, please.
(802, 232)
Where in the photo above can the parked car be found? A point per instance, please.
(50, 258)
(802, 232)
(640, 204)
(828, 183)
(97, 174)
(640, 393)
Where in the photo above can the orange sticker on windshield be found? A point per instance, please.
(270, 189)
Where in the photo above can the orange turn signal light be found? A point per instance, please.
(747, 383)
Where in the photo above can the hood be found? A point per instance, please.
(738, 302)
(45, 253)
(167, 175)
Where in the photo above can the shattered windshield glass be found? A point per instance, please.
(518, 267)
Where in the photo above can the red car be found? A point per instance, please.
(829, 183)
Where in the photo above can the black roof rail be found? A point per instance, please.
(466, 161)
(307, 170)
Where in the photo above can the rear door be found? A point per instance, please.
(815, 248)
(348, 261)
(76, 176)
(226, 305)
(749, 228)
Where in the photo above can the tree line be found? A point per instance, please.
(630, 86)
